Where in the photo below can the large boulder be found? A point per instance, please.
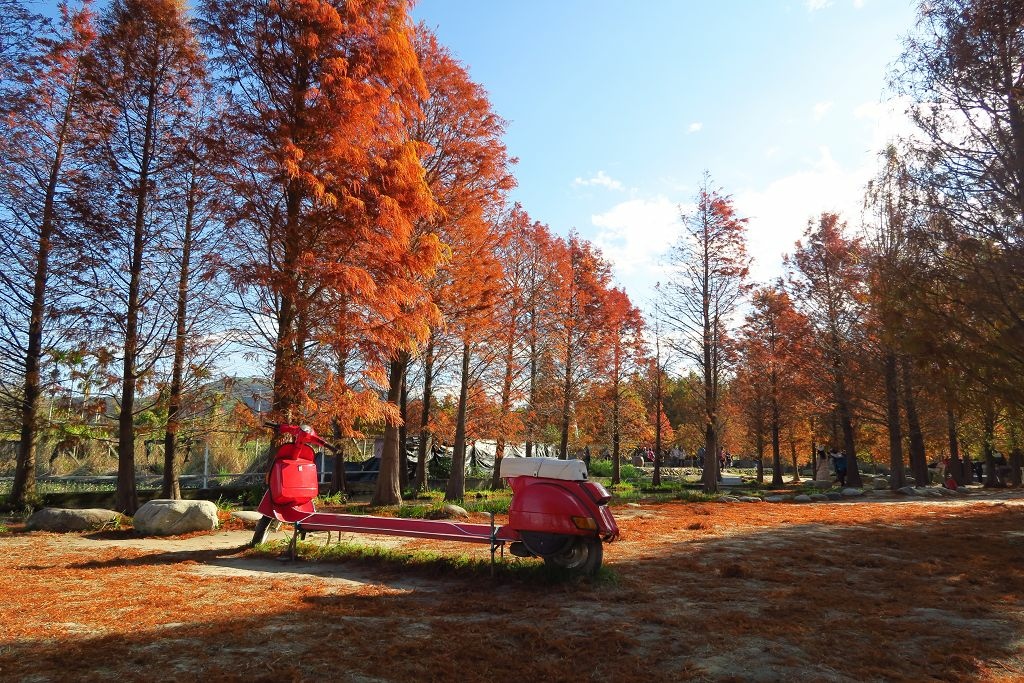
(173, 517)
(61, 519)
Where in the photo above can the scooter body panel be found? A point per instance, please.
(293, 481)
(549, 506)
(285, 513)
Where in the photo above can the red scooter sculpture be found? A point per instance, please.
(556, 513)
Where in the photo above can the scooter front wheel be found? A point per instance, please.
(583, 554)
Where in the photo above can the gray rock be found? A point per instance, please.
(776, 499)
(818, 497)
(908, 491)
(248, 518)
(62, 519)
(173, 517)
(751, 499)
(454, 511)
(834, 495)
(880, 484)
(852, 493)
(728, 499)
(802, 498)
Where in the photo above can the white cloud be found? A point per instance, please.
(601, 179)
(779, 212)
(858, 4)
(815, 5)
(820, 109)
(694, 127)
(889, 119)
(634, 235)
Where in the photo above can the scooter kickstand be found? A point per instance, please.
(495, 544)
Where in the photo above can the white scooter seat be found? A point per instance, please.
(550, 468)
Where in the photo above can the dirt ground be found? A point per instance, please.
(863, 591)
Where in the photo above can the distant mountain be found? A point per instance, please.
(255, 392)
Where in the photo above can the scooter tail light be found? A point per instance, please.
(585, 523)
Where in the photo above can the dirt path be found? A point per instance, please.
(881, 590)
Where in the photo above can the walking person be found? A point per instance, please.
(839, 462)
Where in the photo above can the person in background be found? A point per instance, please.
(821, 465)
(839, 462)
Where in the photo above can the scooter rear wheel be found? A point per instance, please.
(583, 554)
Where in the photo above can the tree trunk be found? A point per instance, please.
(563, 444)
(171, 487)
(616, 436)
(532, 412)
(988, 449)
(892, 415)
(776, 449)
(24, 487)
(339, 483)
(853, 479)
(456, 489)
(656, 479)
(711, 468)
(961, 466)
(1016, 463)
(506, 407)
(796, 464)
(759, 447)
(389, 491)
(403, 453)
(127, 495)
(918, 458)
(425, 436)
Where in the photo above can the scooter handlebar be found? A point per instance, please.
(301, 433)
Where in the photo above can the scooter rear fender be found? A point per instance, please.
(549, 506)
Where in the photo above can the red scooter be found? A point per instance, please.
(555, 513)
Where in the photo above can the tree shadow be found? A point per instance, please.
(907, 600)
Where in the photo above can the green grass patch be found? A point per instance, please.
(44, 486)
(332, 500)
(603, 468)
(225, 505)
(430, 563)
(692, 496)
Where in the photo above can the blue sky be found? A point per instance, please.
(616, 110)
